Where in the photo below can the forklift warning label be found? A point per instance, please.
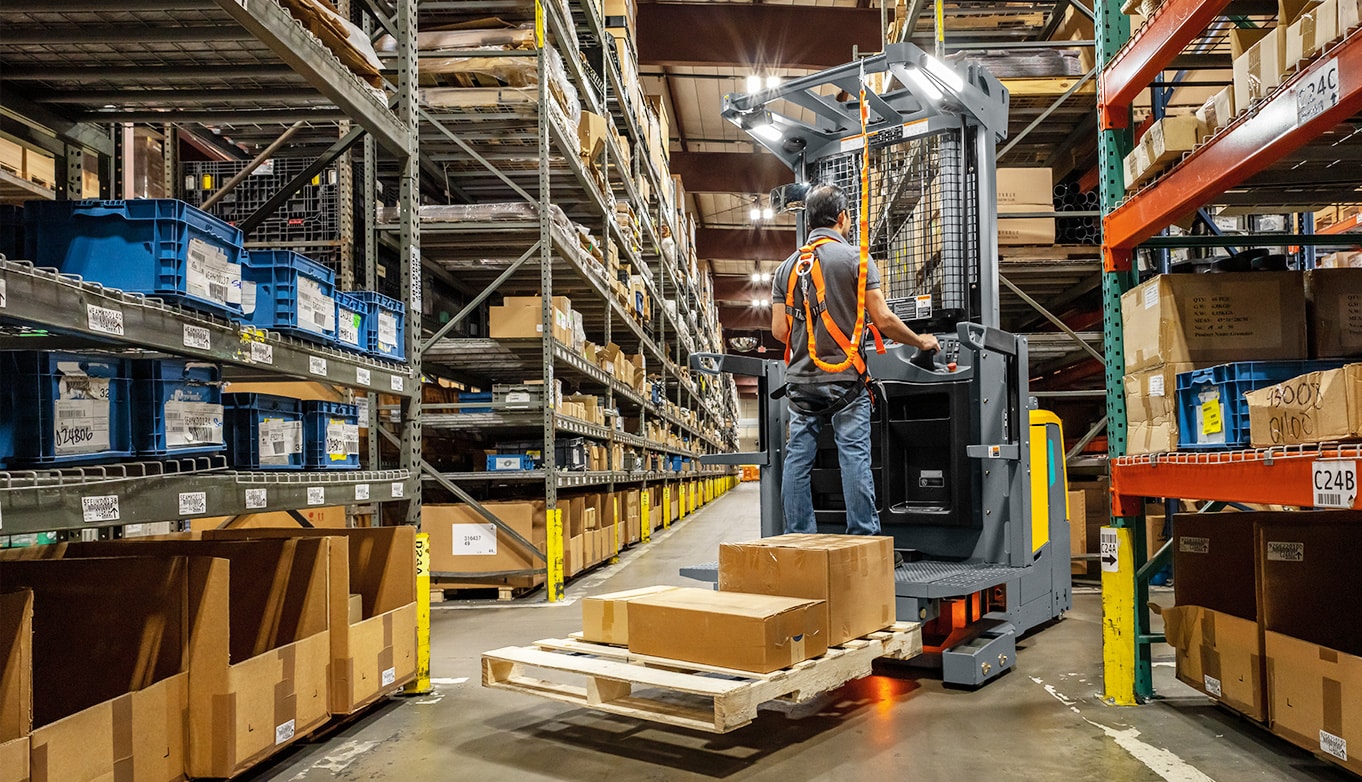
(1110, 552)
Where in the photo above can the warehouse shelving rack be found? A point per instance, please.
(1260, 140)
(95, 66)
(527, 155)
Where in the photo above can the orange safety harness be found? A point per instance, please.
(808, 268)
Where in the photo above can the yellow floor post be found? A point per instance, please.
(666, 506)
(554, 554)
(647, 517)
(1119, 631)
(421, 684)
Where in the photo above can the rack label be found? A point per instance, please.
(193, 503)
(316, 495)
(398, 384)
(1334, 745)
(1319, 93)
(197, 337)
(398, 489)
(256, 499)
(316, 365)
(2, 294)
(262, 353)
(1334, 483)
(96, 509)
(361, 491)
(475, 540)
(362, 376)
(104, 320)
(1110, 551)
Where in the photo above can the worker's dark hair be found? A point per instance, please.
(823, 205)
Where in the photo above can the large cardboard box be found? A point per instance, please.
(853, 576)
(1217, 111)
(1317, 407)
(605, 618)
(521, 317)
(110, 667)
(16, 684)
(320, 518)
(259, 644)
(1022, 190)
(631, 509)
(1259, 70)
(1334, 302)
(1213, 628)
(1214, 318)
(1313, 645)
(757, 633)
(591, 130)
(462, 541)
(1152, 408)
(1316, 27)
(374, 653)
(1170, 137)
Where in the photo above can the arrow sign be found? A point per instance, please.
(1109, 563)
(1110, 550)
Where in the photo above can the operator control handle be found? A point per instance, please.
(924, 359)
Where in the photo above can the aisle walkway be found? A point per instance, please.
(1044, 721)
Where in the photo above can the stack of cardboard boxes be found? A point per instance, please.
(1258, 627)
(1023, 190)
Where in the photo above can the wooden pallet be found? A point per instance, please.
(682, 694)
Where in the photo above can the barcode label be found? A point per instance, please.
(389, 676)
(280, 440)
(193, 503)
(351, 434)
(316, 495)
(316, 310)
(97, 509)
(262, 353)
(256, 499)
(80, 420)
(361, 492)
(2, 294)
(209, 275)
(339, 438)
(283, 733)
(398, 489)
(104, 320)
(1333, 745)
(197, 337)
(1212, 686)
(397, 383)
(362, 376)
(387, 331)
(190, 424)
(316, 365)
(347, 328)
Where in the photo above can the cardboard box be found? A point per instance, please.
(1025, 187)
(1214, 318)
(1078, 531)
(372, 577)
(1307, 564)
(1318, 407)
(1333, 299)
(1315, 28)
(16, 684)
(1259, 70)
(264, 650)
(852, 575)
(1169, 138)
(633, 521)
(462, 541)
(521, 317)
(1152, 408)
(119, 629)
(605, 618)
(1213, 628)
(591, 130)
(757, 633)
(320, 518)
(1349, 15)
(1217, 111)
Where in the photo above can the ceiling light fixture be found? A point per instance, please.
(767, 213)
(756, 276)
(753, 83)
(772, 82)
(755, 214)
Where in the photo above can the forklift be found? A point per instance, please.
(969, 475)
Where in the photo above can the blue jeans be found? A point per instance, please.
(851, 429)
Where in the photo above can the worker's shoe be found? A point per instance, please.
(898, 560)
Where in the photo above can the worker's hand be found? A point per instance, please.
(928, 343)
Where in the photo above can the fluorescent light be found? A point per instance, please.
(765, 277)
(756, 276)
(945, 73)
(754, 83)
(756, 302)
(924, 84)
(768, 131)
(755, 214)
(767, 213)
(772, 82)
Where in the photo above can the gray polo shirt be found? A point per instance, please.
(841, 263)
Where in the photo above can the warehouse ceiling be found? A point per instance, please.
(726, 175)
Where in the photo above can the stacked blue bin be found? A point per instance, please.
(68, 409)
(330, 436)
(1212, 411)
(178, 407)
(387, 325)
(264, 432)
(154, 246)
(290, 293)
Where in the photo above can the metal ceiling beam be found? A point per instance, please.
(729, 172)
(144, 74)
(760, 37)
(749, 244)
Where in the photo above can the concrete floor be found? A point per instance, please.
(1043, 721)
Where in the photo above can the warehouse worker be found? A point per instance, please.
(821, 282)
